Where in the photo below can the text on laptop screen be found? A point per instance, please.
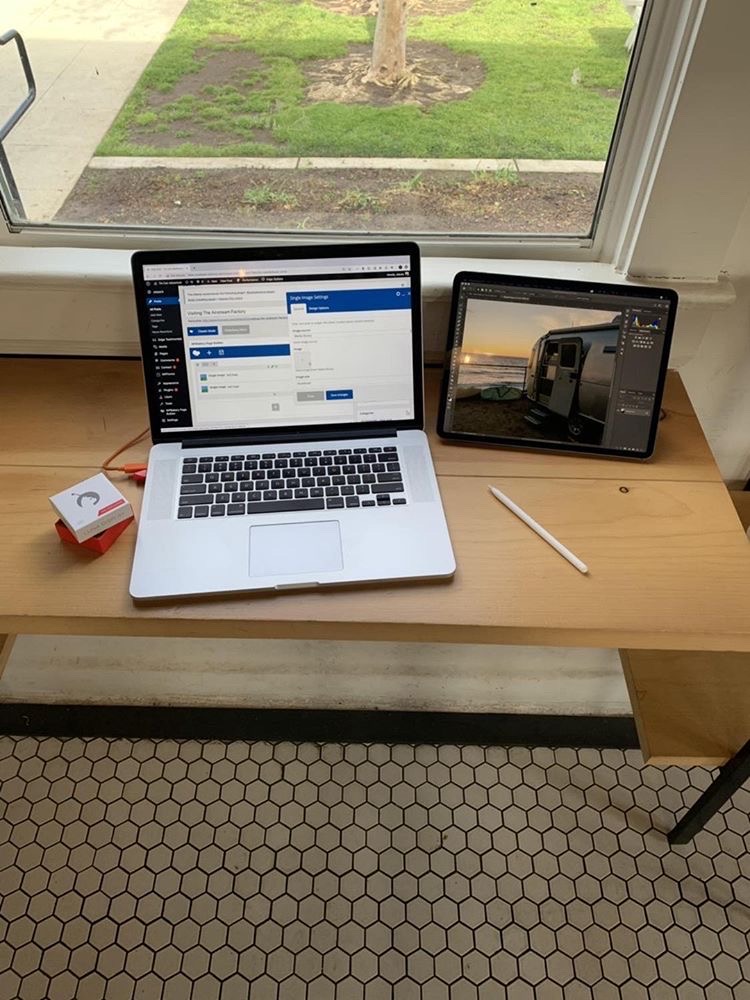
(281, 343)
(556, 366)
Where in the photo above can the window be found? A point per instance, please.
(569, 355)
(496, 118)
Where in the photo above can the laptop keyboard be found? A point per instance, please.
(273, 482)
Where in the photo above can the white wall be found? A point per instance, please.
(718, 374)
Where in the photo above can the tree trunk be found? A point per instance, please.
(388, 64)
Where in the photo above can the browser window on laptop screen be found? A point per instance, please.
(555, 366)
(280, 343)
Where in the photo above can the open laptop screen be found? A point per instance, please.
(543, 363)
(233, 343)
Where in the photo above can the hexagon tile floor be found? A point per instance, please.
(200, 870)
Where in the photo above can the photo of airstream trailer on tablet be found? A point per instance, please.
(569, 376)
(556, 369)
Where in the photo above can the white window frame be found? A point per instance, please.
(662, 43)
(667, 214)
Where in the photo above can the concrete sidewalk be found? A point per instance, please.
(86, 56)
(475, 165)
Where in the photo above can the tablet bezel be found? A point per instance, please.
(520, 281)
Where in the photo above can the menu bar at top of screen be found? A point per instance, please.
(327, 265)
(546, 296)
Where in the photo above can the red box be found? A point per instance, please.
(99, 543)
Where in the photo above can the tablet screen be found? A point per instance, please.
(556, 364)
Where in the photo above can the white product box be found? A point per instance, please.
(91, 506)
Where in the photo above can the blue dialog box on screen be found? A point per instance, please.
(242, 351)
(203, 331)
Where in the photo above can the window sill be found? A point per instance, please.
(52, 267)
(79, 301)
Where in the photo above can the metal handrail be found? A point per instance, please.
(8, 184)
(23, 107)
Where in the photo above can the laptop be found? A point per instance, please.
(285, 399)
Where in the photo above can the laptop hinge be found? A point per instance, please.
(227, 442)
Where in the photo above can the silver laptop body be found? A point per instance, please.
(286, 405)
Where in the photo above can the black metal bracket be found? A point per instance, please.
(7, 180)
(731, 776)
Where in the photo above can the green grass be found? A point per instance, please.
(503, 177)
(526, 107)
(355, 200)
(413, 184)
(264, 196)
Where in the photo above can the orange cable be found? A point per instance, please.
(130, 468)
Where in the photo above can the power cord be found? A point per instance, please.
(136, 470)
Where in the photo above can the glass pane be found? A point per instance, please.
(568, 356)
(473, 116)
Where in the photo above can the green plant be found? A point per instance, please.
(264, 196)
(412, 183)
(506, 175)
(358, 201)
(146, 118)
(495, 178)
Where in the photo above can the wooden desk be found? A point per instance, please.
(95, 406)
(691, 707)
(669, 562)
(668, 565)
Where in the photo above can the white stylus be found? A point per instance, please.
(542, 532)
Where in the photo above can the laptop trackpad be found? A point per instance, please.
(289, 549)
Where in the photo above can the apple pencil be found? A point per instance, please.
(542, 532)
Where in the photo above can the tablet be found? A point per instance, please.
(560, 365)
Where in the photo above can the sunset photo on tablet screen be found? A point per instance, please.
(512, 359)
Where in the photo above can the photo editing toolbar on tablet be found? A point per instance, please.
(550, 366)
(279, 343)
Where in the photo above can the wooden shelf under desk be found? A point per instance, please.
(690, 707)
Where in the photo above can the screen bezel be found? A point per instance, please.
(272, 254)
(554, 284)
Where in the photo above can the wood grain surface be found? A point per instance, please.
(669, 568)
(6, 645)
(76, 412)
(690, 708)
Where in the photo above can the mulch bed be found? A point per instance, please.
(434, 73)
(353, 200)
